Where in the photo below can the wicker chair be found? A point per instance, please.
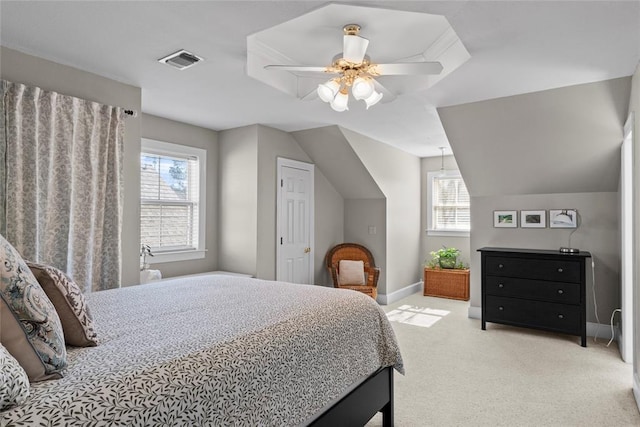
(354, 252)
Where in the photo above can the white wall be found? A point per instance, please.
(30, 70)
(433, 243)
(161, 129)
(398, 175)
(597, 233)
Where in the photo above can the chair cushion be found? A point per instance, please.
(351, 272)
(30, 328)
(69, 302)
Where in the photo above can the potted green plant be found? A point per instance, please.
(445, 258)
(445, 276)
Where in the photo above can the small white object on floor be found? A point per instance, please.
(147, 276)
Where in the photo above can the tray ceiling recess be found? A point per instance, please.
(297, 56)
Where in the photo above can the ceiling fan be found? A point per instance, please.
(354, 69)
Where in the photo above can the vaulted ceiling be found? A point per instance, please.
(516, 47)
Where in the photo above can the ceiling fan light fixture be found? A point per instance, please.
(373, 99)
(327, 91)
(341, 102)
(362, 88)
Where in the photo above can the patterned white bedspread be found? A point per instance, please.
(214, 350)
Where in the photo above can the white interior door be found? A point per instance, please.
(295, 222)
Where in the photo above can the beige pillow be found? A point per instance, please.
(351, 272)
(69, 302)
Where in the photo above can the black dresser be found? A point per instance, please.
(542, 289)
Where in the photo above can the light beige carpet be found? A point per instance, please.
(459, 375)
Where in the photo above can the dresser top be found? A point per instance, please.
(581, 254)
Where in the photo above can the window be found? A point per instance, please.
(172, 200)
(448, 204)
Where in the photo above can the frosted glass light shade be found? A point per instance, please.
(327, 91)
(373, 99)
(362, 88)
(340, 102)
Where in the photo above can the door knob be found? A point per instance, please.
(307, 250)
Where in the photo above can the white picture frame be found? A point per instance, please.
(563, 218)
(505, 219)
(533, 219)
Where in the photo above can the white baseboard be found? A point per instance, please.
(384, 299)
(636, 389)
(475, 312)
(603, 331)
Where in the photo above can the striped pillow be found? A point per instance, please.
(69, 302)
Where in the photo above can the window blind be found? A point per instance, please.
(450, 204)
(169, 192)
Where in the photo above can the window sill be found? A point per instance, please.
(159, 258)
(448, 233)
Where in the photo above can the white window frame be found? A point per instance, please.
(430, 195)
(152, 146)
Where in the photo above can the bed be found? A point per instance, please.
(224, 350)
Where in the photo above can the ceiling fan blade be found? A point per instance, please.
(401, 68)
(305, 68)
(387, 96)
(354, 48)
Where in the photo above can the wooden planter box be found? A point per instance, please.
(452, 283)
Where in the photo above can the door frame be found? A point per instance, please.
(627, 249)
(295, 164)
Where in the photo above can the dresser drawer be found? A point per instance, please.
(568, 293)
(538, 269)
(538, 314)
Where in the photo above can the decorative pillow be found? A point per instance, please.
(30, 328)
(69, 302)
(351, 272)
(14, 382)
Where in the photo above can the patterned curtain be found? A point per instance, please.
(61, 165)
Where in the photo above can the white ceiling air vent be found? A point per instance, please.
(181, 59)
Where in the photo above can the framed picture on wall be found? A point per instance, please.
(533, 219)
(563, 218)
(505, 219)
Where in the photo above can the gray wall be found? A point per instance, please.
(329, 225)
(553, 149)
(433, 243)
(398, 175)
(564, 140)
(359, 215)
(21, 68)
(161, 129)
(238, 200)
(597, 233)
(247, 204)
(272, 143)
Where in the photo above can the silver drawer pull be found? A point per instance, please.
(501, 308)
(559, 270)
(500, 285)
(560, 316)
(500, 266)
(560, 291)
